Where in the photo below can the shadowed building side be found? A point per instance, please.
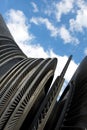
(10, 53)
(4, 31)
(74, 112)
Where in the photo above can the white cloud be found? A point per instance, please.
(81, 3)
(17, 23)
(47, 23)
(80, 22)
(35, 50)
(63, 7)
(66, 36)
(35, 8)
(55, 31)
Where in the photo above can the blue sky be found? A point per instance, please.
(49, 28)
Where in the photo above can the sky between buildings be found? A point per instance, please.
(49, 28)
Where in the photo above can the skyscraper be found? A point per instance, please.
(26, 99)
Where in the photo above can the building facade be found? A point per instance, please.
(26, 99)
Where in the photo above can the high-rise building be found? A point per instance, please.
(27, 102)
